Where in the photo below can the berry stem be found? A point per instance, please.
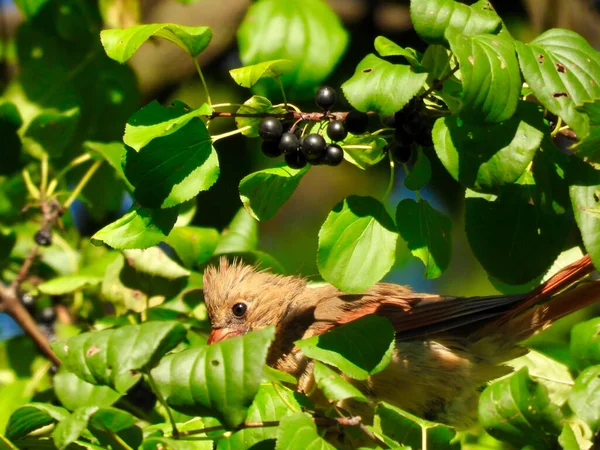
(390, 186)
(557, 127)
(163, 402)
(225, 105)
(407, 172)
(436, 84)
(74, 163)
(84, 180)
(230, 133)
(204, 85)
(44, 175)
(285, 103)
(32, 189)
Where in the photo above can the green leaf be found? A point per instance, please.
(407, 429)
(555, 376)
(220, 380)
(585, 343)
(161, 443)
(385, 47)
(431, 18)
(8, 238)
(420, 173)
(113, 153)
(359, 348)
(67, 284)
(154, 121)
(29, 8)
(383, 87)
(173, 168)
(483, 58)
(264, 192)
(248, 76)
(267, 406)
(10, 122)
(315, 45)
(589, 145)
(193, 245)
(139, 228)
(584, 399)
(299, 431)
(334, 386)
(74, 393)
(32, 417)
(484, 157)
(241, 235)
(364, 151)
(572, 437)
(563, 70)
(51, 131)
(428, 234)
(585, 197)
(518, 411)
(357, 244)
(271, 374)
(121, 44)
(114, 357)
(255, 105)
(156, 263)
(514, 240)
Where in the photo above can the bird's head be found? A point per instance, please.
(240, 298)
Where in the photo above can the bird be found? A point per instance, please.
(446, 348)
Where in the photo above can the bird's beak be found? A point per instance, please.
(220, 334)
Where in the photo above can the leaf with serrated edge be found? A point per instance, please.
(359, 348)
(334, 386)
(120, 44)
(255, 105)
(248, 76)
(563, 70)
(357, 244)
(383, 87)
(299, 431)
(264, 192)
(483, 58)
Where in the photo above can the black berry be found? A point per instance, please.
(271, 149)
(400, 153)
(47, 316)
(333, 156)
(325, 97)
(289, 143)
(270, 129)
(413, 125)
(313, 146)
(412, 107)
(356, 122)
(43, 237)
(336, 130)
(295, 160)
(28, 301)
(424, 138)
(402, 137)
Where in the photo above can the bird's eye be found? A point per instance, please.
(239, 309)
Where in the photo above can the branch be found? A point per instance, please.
(290, 115)
(319, 421)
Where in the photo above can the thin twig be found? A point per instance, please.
(163, 402)
(438, 84)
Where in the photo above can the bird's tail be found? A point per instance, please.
(562, 294)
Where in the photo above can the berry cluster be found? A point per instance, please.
(411, 127)
(280, 138)
(45, 317)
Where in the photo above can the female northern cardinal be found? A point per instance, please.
(446, 347)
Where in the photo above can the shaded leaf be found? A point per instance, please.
(241, 235)
(383, 87)
(334, 386)
(356, 244)
(427, 233)
(120, 44)
(264, 192)
(589, 145)
(32, 417)
(359, 348)
(517, 410)
(75, 393)
(420, 174)
(193, 245)
(484, 157)
(585, 343)
(10, 122)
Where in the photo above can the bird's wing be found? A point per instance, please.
(411, 313)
